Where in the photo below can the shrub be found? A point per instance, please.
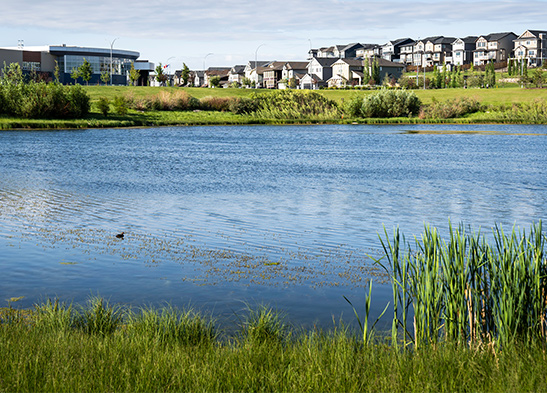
(294, 104)
(219, 104)
(450, 108)
(103, 105)
(385, 103)
(120, 105)
(242, 105)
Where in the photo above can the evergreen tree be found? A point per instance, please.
(375, 74)
(366, 72)
(185, 74)
(510, 67)
(444, 77)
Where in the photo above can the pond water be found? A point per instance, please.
(221, 217)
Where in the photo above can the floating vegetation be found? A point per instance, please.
(275, 262)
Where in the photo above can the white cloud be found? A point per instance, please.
(236, 27)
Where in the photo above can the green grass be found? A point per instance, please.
(171, 350)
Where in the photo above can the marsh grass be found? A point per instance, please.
(466, 290)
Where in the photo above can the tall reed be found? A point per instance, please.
(467, 290)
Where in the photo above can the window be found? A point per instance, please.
(532, 53)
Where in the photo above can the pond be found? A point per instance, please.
(224, 217)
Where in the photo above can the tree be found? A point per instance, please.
(375, 73)
(366, 71)
(246, 82)
(214, 81)
(160, 76)
(134, 74)
(538, 77)
(85, 71)
(185, 74)
(57, 72)
(105, 77)
(75, 74)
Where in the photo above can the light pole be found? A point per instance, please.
(169, 68)
(206, 56)
(256, 63)
(111, 46)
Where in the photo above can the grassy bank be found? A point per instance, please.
(499, 105)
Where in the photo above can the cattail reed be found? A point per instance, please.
(467, 290)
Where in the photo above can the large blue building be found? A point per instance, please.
(44, 59)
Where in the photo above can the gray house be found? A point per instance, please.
(322, 69)
(496, 47)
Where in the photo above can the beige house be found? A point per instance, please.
(531, 45)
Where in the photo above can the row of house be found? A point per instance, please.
(439, 50)
(342, 65)
(313, 74)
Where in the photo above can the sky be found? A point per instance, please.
(218, 33)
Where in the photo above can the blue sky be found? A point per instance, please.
(187, 31)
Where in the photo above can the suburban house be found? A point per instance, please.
(531, 45)
(221, 72)
(442, 51)
(273, 74)
(254, 71)
(462, 50)
(346, 72)
(392, 50)
(311, 82)
(293, 71)
(337, 51)
(368, 51)
(198, 78)
(496, 47)
(407, 53)
(236, 74)
(321, 68)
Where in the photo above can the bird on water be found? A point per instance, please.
(120, 235)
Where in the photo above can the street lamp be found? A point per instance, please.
(206, 56)
(256, 61)
(111, 46)
(169, 68)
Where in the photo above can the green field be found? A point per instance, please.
(495, 96)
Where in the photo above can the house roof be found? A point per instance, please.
(218, 71)
(261, 63)
(325, 61)
(386, 63)
(351, 62)
(535, 33)
(496, 36)
(470, 39)
(238, 69)
(400, 41)
(297, 65)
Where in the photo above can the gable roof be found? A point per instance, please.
(535, 33)
(297, 65)
(238, 69)
(496, 36)
(325, 61)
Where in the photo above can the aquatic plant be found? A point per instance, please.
(467, 290)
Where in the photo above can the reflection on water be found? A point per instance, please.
(219, 216)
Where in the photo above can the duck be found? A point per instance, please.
(120, 235)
